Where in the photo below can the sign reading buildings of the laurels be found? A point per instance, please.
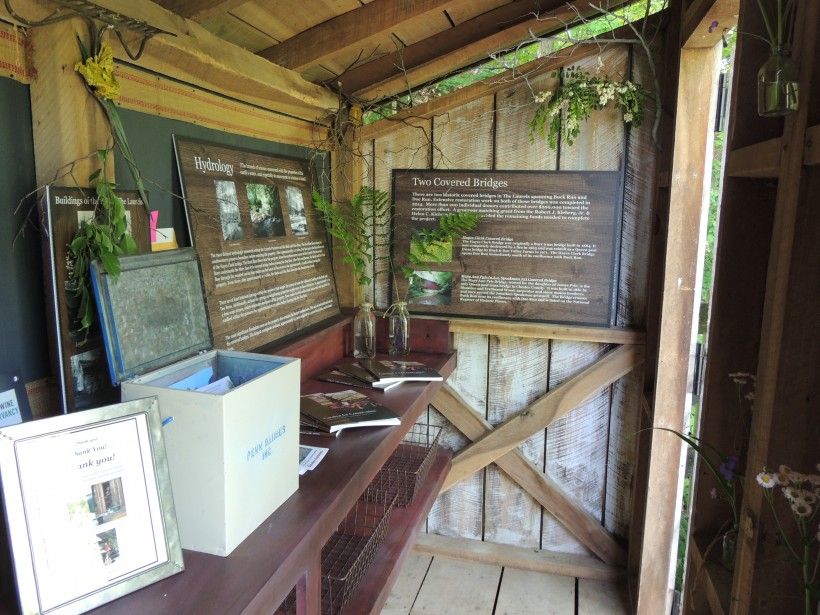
(265, 262)
(545, 248)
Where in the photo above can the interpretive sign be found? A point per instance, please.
(265, 262)
(80, 358)
(545, 247)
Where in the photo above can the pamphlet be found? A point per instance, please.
(310, 457)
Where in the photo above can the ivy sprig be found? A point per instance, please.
(105, 238)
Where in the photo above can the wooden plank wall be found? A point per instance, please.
(591, 452)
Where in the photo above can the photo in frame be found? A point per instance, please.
(88, 506)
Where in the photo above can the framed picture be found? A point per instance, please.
(14, 406)
(88, 506)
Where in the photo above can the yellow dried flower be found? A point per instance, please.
(98, 72)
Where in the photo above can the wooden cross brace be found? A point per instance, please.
(497, 445)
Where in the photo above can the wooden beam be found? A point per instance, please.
(706, 21)
(565, 564)
(774, 308)
(68, 124)
(689, 194)
(348, 31)
(346, 181)
(603, 335)
(442, 104)
(758, 160)
(200, 10)
(545, 410)
(148, 92)
(190, 53)
(811, 156)
(461, 46)
(542, 488)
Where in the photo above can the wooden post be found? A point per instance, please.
(68, 123)
(346, 181)
(774, 308)
(689, 192)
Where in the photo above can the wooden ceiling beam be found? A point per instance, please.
(347, 31)
(192, 54)
(200, 10)
(467, 43)
(706, 21)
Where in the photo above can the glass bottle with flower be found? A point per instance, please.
(802, 493)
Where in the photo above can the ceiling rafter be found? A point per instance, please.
(194, 55)
(347, 31)
(200, 10)
(467, 43)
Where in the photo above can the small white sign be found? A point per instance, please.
(9, 409)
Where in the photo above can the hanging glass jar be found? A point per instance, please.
(364, 332)
(778, 85)
(398, 328)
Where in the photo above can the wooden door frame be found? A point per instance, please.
(698, 73)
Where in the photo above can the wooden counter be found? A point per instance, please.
(285, 550)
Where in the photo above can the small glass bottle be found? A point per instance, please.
(398, 329)
(364, 332)
(778, 85)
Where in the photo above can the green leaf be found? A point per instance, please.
(110, 263)
(129, 246)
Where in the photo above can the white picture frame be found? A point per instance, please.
(89, 508)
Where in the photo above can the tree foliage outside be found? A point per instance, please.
(516, 57)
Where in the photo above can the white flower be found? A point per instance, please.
(543, 97)
(791, 493)
(801, 508)
(628, 117)
(809, 496)
(783, 473)
(767, 480)
(713, 493)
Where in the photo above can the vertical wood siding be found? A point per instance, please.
(590, 453)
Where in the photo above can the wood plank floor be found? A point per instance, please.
(443, 586)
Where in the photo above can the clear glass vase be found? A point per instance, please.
(728, 548)
(777, 85)
(364, 332)
(398, 329)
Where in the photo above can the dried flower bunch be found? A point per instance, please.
(802, 492)
(576, 98)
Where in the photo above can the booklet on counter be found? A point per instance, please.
(333, 412)
(389, 371)
(354, 375)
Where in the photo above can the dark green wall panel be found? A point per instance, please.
(23, 341)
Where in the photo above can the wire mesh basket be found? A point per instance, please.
(350, 551)
(407, 467)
